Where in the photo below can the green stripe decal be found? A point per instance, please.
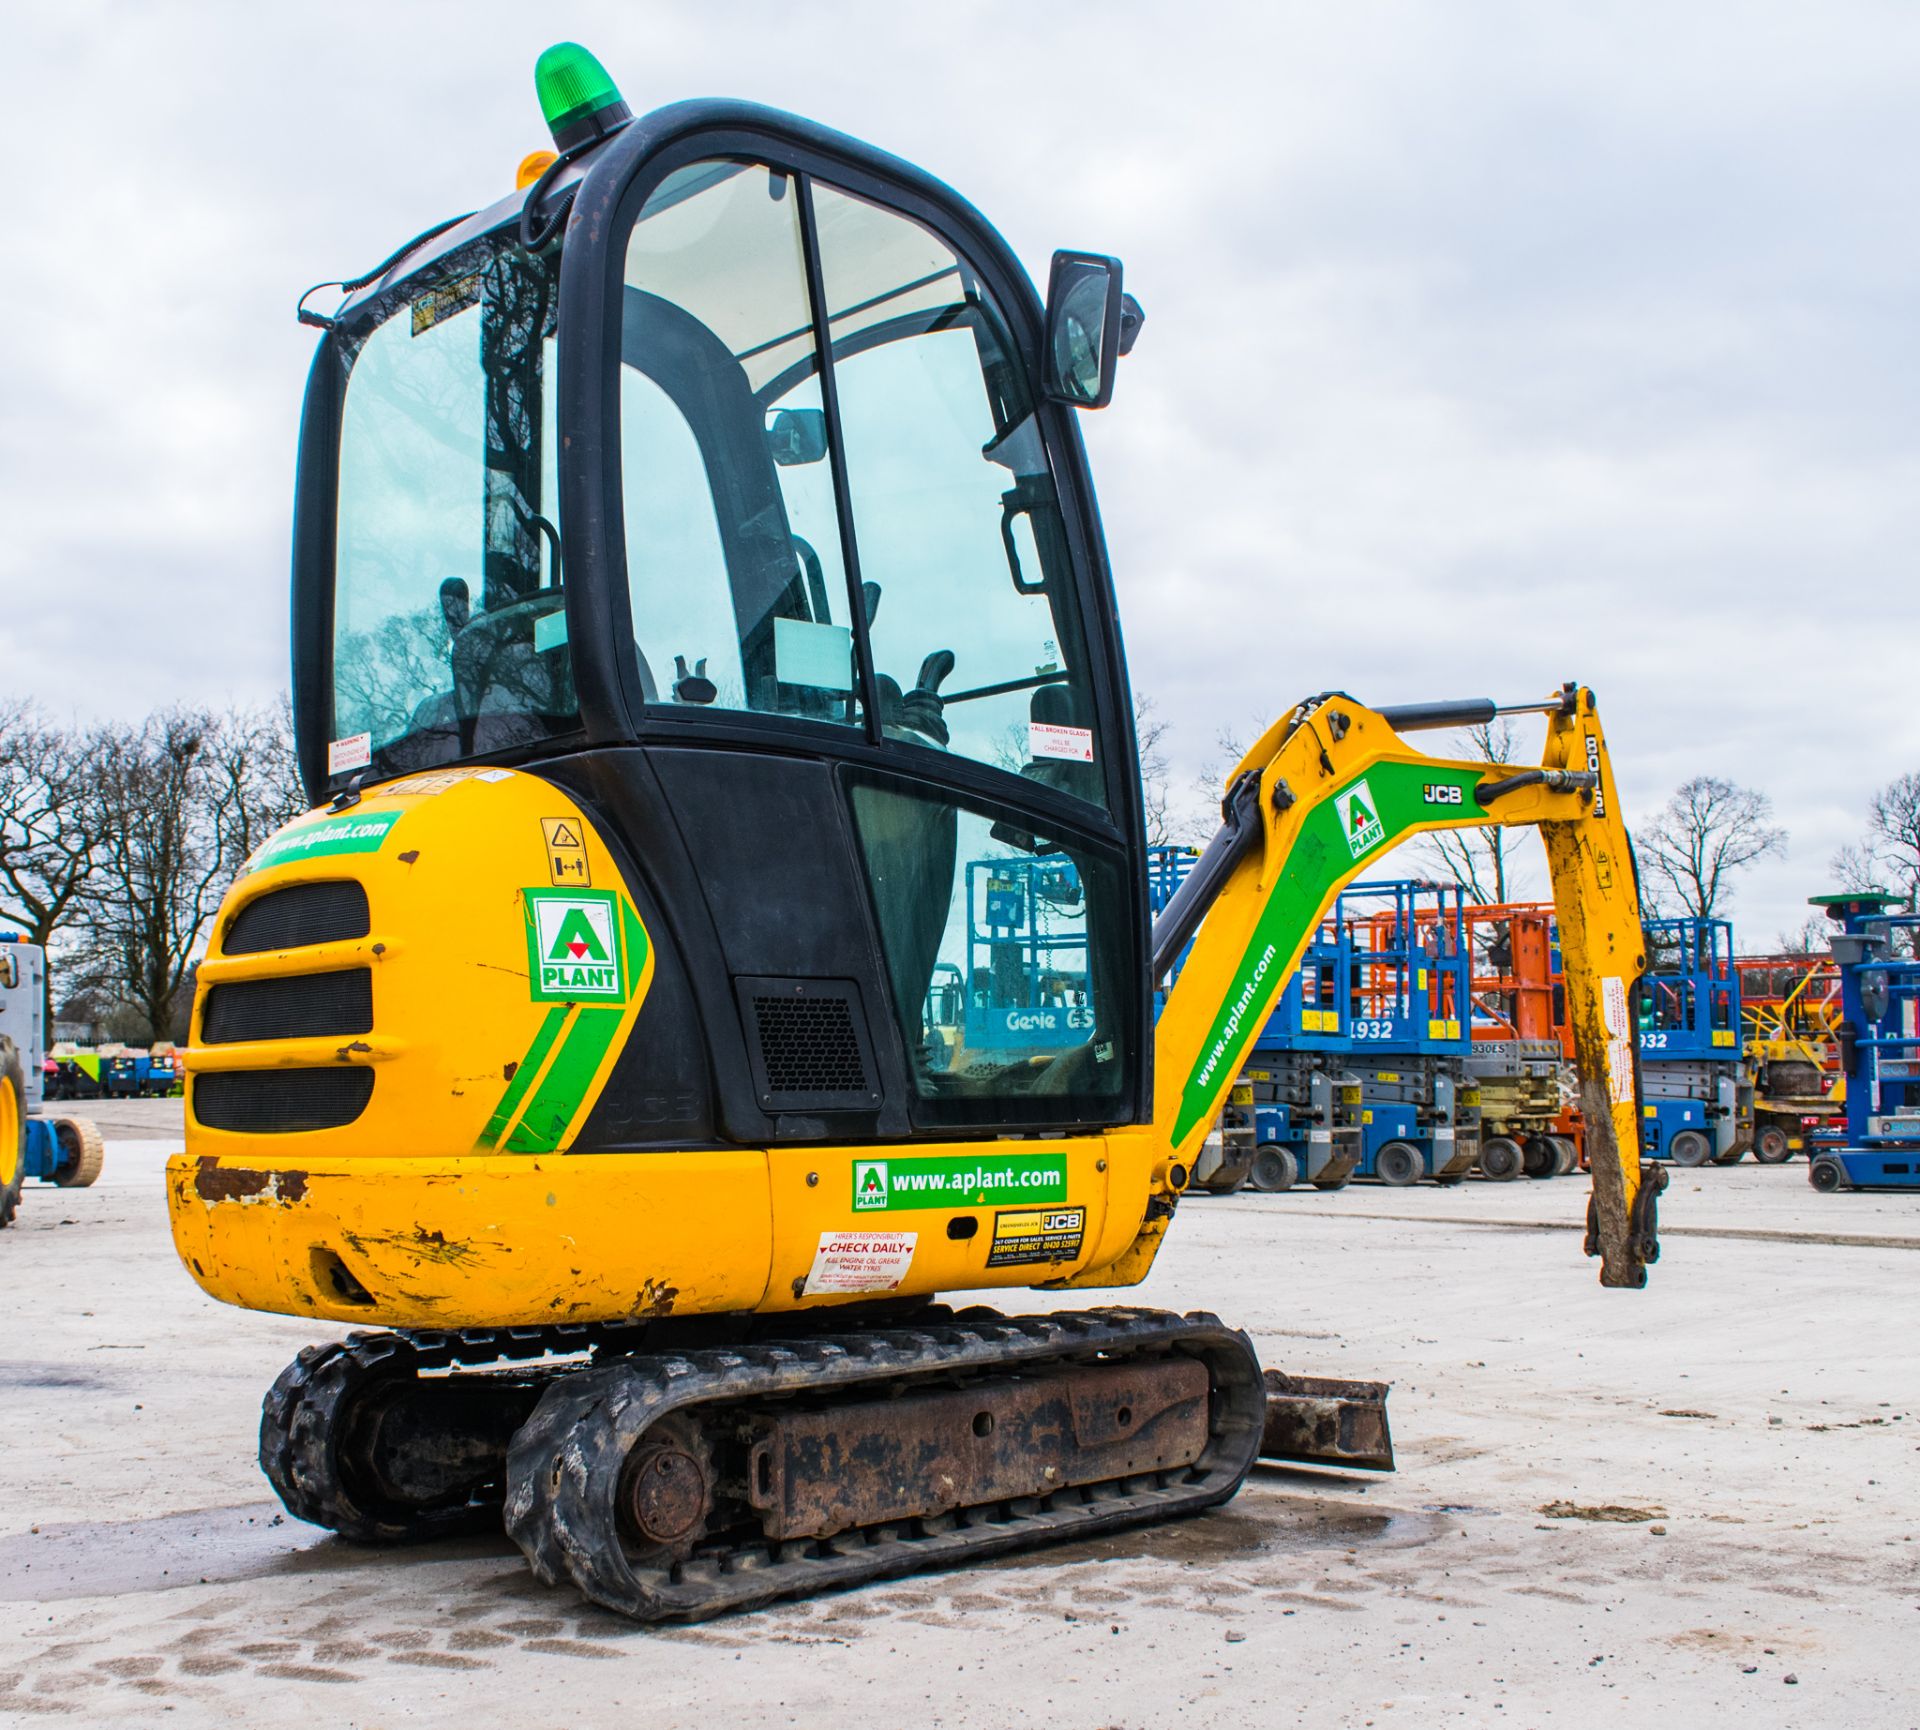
(635, 944)
(523, 1074)
(1352, 829)
(565, 1084)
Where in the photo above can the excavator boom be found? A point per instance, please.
(1314, 804)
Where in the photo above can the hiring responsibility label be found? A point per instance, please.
(861, 1261)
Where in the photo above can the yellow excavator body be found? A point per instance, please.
(453, 1200)
(672, 993)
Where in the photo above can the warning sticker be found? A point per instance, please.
(1069, 744)
(353, 752)
(1037, 1234)
(1613, 1007)
(861, 1261)
(566, 852)
(439, 304)
(423, 786)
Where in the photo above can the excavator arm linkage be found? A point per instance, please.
(1322, 795)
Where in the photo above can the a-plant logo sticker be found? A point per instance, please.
(1360, 818)
(573, 946)
(869, 1183)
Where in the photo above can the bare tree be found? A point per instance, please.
(1888, 855)
(180, 802)
(48, 845)
(1156, 798)
(1809, 937)
(1709, 830)
(1479, 860)
(255, 776)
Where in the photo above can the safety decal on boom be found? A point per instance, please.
(1360, 819)
(1373, 811)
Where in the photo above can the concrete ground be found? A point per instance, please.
(1760, 1401)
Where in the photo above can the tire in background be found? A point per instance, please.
(1690, 1148)
(82, 1152)
(1772, 1145)
(1501, 1158)
(13, 1130)
(1539, 1156)
(1274, 1168)
(1399, 1164)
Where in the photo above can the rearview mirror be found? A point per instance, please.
(1083, 343)
(798, 435)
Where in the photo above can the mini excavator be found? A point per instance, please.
(698, 587)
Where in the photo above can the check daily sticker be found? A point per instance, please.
(323, 838)
(891, 1185)
(861, 1261)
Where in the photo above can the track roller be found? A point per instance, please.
(354, 1438)
(680, 1486)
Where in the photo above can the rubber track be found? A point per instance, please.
(564, 1466)
(307, 1410)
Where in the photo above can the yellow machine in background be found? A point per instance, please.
(581, 1035)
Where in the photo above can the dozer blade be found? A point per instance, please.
(681, 1486)
(1319, 1421)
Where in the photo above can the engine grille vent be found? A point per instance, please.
(295, 917)
(807, 1042)
(310, 1005)
(281, 1101)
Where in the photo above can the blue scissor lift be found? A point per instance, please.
(1696, 1096)
(1357, 1071)
(1879, 1046)
(1025, 980)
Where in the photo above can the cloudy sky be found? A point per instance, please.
(1487, 345)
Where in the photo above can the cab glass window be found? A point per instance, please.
(737, 582)
(975, 634)
(1008, 958)
(449, 627)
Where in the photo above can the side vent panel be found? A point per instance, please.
(307, 1006)
(295, 917)
(807, 1043)
(281, 1101)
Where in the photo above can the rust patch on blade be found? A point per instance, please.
(214, 1182)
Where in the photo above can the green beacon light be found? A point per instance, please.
(577, 97)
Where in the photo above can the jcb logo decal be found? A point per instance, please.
(573, 946)
(1439, 793)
